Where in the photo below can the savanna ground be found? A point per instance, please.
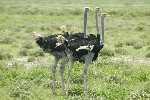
(122, 71)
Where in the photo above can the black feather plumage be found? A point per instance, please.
(76, 43)
(81, 46)
(51, 44)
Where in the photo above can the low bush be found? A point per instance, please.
(121, 51)
(23, 52)
(32, 52)
(147, 55)
(107, 52)
(20, 89)
(27, 45)
(119, 44)
(75, 90)
(139, 28)
(141, 94)
(138, 45)
(36, 52)
(7, 40)
(148, 48)
(131, 42)
(77, 79)
(31, 59)
(142, 76)
(5, 55)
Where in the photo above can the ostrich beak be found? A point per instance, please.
(63, 28)
(36, 35)
(105, 14)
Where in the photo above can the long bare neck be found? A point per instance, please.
(86, 10)
(100, 25)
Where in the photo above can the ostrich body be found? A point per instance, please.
(56, 46)
(86, 47)
(80, 46)
(52, 44)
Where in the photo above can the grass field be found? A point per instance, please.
(122, 71)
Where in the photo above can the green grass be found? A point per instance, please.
(126, 35)
(109, 81)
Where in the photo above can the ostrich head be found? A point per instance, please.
(38, 38)
(63, 28)
(36, 35)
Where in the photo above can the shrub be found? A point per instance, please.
(112, 12)
(119, 44)
(142, 76)
(139, 28)
(36, 53)
(121, 51)
(29, 29)
(76, 12)
(113, 79)
(112, 92)
(77, 78)
(5, 55)
(131, 42)
(23, 52)
(141, 94)
(143, 36)
(147, 55)
(20, 89)
(138, 45)
(6, 40)
(75, 90)
(28, 45)
(148, 48)
(107, 52)
(31, 59)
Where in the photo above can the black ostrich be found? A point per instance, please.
(56, 46)
(86, 47)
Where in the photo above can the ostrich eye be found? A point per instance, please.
(40, 41)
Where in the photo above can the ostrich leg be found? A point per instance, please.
(54, 76)
(88, 60)
(69, 73)
(62, 68)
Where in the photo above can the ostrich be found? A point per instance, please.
(55, 45)
(85, 48)
(74, 47)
